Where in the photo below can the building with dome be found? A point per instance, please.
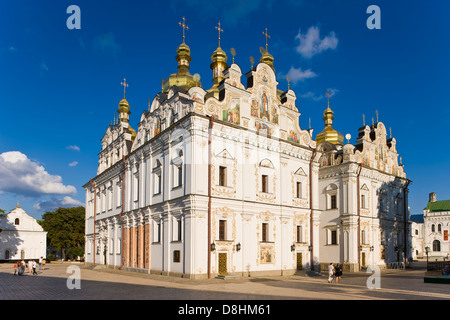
(224, 181)
(21, 237)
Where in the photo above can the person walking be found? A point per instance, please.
(330, 273)
(30, 266)
(20, 268)
(338, 273)
(34, 267)
(40, 263)
(15, 268)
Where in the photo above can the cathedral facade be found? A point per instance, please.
(224, 181)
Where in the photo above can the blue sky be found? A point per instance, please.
(60, 88)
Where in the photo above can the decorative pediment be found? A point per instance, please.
(300, 172)
(224, 154)
(266, 163)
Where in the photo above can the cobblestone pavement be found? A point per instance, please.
(108, 284)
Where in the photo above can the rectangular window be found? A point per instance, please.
(264, 183)
(179, 229)
(158, 183)
(222, 176)
(222, 229)
(333, 203)
(180, 176)
(333, 239)
(363, 201)
(299, 233)
(299, 190)
(158, 232)
(176, 256)
(265, 233)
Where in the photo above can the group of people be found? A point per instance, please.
(334, 273)
(19, 266)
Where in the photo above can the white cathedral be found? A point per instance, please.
(225, 182)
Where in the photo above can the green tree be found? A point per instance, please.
(65, 228)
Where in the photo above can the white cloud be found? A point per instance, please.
(316, 97)
(52, 204)
(311, 95)
(73, 163)
(106, 44)
(75, 148)
(297, 74)
(20, 175)
(311, 43)
(43, 66)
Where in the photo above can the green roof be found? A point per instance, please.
(443, 205)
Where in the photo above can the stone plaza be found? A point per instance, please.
(109, 284)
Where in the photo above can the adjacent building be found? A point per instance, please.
(436, 228)
(21, 237)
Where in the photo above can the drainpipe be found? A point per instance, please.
(211, 123)
(405, 214)
(358, 206)
(95, 213)
(121, 213)
(311, 207)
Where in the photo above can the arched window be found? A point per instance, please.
(436, 245)
(439, 227)
(433, 228)
(7, 255)
(17, 221)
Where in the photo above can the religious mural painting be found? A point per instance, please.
(157, 129)
(232, 114)
(263, 128)
(266, 254)
(264, 110)
(254, 112)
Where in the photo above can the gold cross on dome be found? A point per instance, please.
(184, 26)
(125, 85)
(267, 36)
(328, 96)
(220, 30)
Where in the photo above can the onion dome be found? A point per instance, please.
(267, 58)
(329, 134)
(182, 78)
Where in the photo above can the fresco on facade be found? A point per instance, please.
(263, 128)
(266, 255)
(264, 112)
(232, 114)
(292, 136)
(157, 129)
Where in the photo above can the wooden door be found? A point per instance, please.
(299, 261)
(222, 263)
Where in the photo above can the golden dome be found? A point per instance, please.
(267, 58)
(182, 78)
(218, 66)
(124, 110)
(329, 134)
